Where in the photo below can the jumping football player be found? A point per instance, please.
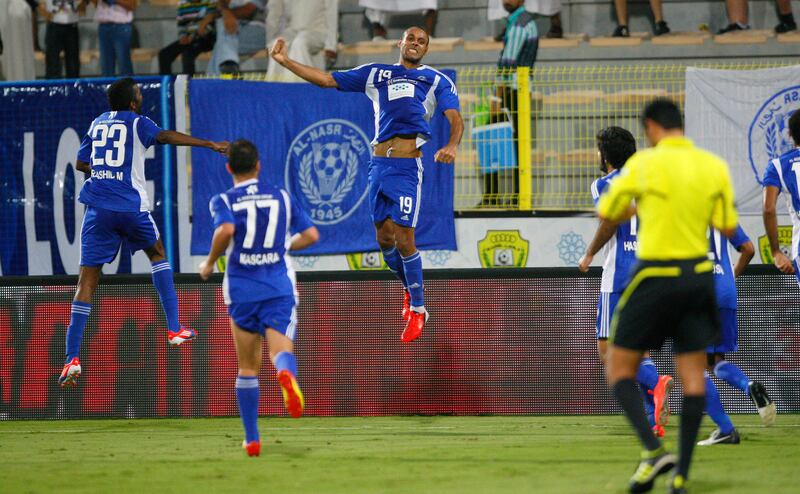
(404, 97)
(117, 207)
(724, 278)
(615, 145)
(259, 286)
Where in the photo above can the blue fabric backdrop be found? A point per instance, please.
(315, 143)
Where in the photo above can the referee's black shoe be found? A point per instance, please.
(653, 464)
(766, 407)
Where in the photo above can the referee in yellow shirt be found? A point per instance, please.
(678, 191)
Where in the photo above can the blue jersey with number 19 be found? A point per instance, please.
(403, 99)
(620, 251)
(115, 146)
(783, 173)
(265, 218)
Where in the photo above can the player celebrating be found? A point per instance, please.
(615, 145)
(729, 372)
(113, 151)
(404, 96)
(259, 284)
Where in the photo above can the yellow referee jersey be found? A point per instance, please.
(679, 190)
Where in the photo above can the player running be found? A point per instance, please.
(615, 145)
(259, 285)
(117, 208)
(404, 97)
(725, 283)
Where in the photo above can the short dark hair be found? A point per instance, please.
(616, 145)
(794, 127)
(121, 94)
(664, 112)
(242, 156)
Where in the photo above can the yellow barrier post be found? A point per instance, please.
(524, 137)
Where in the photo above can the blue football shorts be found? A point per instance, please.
(395, 189)
(278, 313)
(606, 305)
(103, 231)
(729, 334)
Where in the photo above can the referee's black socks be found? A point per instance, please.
(691, 416)
(630, 399)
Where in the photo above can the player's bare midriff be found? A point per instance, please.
(398, 147)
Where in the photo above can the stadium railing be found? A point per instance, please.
(551, 167)
(508, 342)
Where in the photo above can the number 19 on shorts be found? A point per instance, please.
(406, 204)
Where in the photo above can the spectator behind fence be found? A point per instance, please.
(35, 23)
(61, 35)
(738, 16)
(520, 46)
(377, 13)
(195, 35)
(548, 8)
(239, 31)
(114, 33)
(15, 26)
(310, 28)
(622, 31)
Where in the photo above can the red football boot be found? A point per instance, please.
(416, 323)
(661, 400)
(253, 448)
(406, 305)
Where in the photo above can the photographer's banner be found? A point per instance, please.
(41, 127)
(742, 116)
(316, 143)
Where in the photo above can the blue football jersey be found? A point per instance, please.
(265, 219)
(783, 173)
(403, 99)
(620, 250)
(724, 280)
(115, 146)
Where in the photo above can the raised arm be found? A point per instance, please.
(180, 139)
(448, 153)
(279, 53)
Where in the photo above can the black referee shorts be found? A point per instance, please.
(668, 299)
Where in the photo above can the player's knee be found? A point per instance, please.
(385, 238)
(404, 240)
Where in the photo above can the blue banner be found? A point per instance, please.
(41, 126)
(315, 143)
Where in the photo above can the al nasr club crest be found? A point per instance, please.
(323, 169)
(769, 132)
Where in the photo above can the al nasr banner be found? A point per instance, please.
(315, 143)
(742, 116)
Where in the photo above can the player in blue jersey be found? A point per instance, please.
(263, 223)
(117, 208)
(404, 96)
(615, 145)
(725, 274)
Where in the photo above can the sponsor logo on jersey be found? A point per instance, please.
(366, 261)
(326, 169)
(503, 249)
(769, 131)
(784, 241)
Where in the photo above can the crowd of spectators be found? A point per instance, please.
(232, 28)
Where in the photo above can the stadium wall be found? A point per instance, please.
(510, 342)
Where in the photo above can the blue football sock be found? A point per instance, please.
(286, 361)
(732, 374)
(647, 376)
(247, 397)
(714, 408)
(77, 321)
(392, 259)
(412, 265)
(162, 280)
(649, 406)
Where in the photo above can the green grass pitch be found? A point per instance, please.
(576, 454)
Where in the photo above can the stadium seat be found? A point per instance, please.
(611, 41)
(86, 56)
(573, 97)
(143, 54)
(484, 44)
(681, 38)
(444, 44)
(587, 156)
(635, 96)
(568, 41)
(366, 48)
(164, 3)
(750, 37)
(791, 37)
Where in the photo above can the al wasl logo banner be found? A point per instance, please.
(742, 115)
(315, 143)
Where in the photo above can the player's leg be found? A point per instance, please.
(725, 433)
(281, 352)
(621, 8)
(690, 366)
(143, 234)
(248, 353)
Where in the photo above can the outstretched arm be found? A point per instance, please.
(448, 153)
(181, 139)
(604, 232)
(222, 238)
(279, 53)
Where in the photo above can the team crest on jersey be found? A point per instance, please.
(324, 169)
(769, 132)
(784, 242)
(503, 249)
